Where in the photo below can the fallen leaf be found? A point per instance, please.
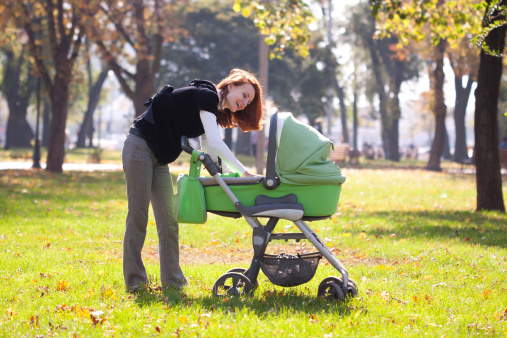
(385, 295)
(62, 285)
(439, 284)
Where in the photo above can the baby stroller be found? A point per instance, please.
(300, 185)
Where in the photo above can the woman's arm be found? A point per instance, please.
(206, 148)
(213, 143)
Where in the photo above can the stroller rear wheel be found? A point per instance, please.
(232, 284)
(244, 272)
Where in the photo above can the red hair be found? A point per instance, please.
(250, 118)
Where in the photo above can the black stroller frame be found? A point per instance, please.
(283, 270)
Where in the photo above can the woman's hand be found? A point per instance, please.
(247, 174)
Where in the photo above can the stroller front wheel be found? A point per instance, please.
(331, 290)
(232, 284)
(349, 291)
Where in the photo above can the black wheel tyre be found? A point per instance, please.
(232, 284)
(238, 270)
(331, 290)
(338, 280)
(350, 291)
(242, 271)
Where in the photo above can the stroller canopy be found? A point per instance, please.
(303, 154)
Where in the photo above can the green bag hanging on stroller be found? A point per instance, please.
(189, 199)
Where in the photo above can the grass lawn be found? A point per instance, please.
(423, 260)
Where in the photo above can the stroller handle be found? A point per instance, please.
(209, 164)
(185, 145)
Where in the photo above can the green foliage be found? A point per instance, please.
(217, 40)
(284, 23)
(209, 51)
(494, 17)
(413, 20)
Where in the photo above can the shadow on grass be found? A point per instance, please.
(270, 303)
(77, 184)
(484, 228)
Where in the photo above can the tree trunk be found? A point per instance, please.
(460, 110)
(343, 110)
(379, 89)
(228, 137)
(93, 100)
(389, 108)
(354, 123)
(393, 121)
(144, 80)
(56, 148)
(393, 135)
(18, 133)
(243, 143)
(45, 125)
(487, 159)
(439, 108)
(446, 152)
(263, 79)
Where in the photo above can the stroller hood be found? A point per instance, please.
(303, 155)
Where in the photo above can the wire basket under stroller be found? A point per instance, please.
(290, 270)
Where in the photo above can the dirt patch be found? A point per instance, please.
(243, 256)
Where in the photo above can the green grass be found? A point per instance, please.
(423, 260)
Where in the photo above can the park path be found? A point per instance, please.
(10, 165)
(176, 167)
(66, 166)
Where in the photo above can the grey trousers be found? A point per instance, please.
(148, 180)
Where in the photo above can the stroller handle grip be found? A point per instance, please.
(209, 164)
(185, 145)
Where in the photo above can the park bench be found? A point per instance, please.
(340, 153)
(466, 162)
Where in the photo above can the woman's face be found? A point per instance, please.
(239, 96)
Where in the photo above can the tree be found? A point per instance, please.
(452, 21)
(391, 66)
(489, 179)
(444, 23)
(208, 50)
(437, 79)
(130, 36)
(60, 22)
(94, 90)
(464, 62)
(284, 23)
(332, 64)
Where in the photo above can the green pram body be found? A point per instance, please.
(298, 160)
(319, 201)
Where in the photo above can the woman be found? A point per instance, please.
(154, 141)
